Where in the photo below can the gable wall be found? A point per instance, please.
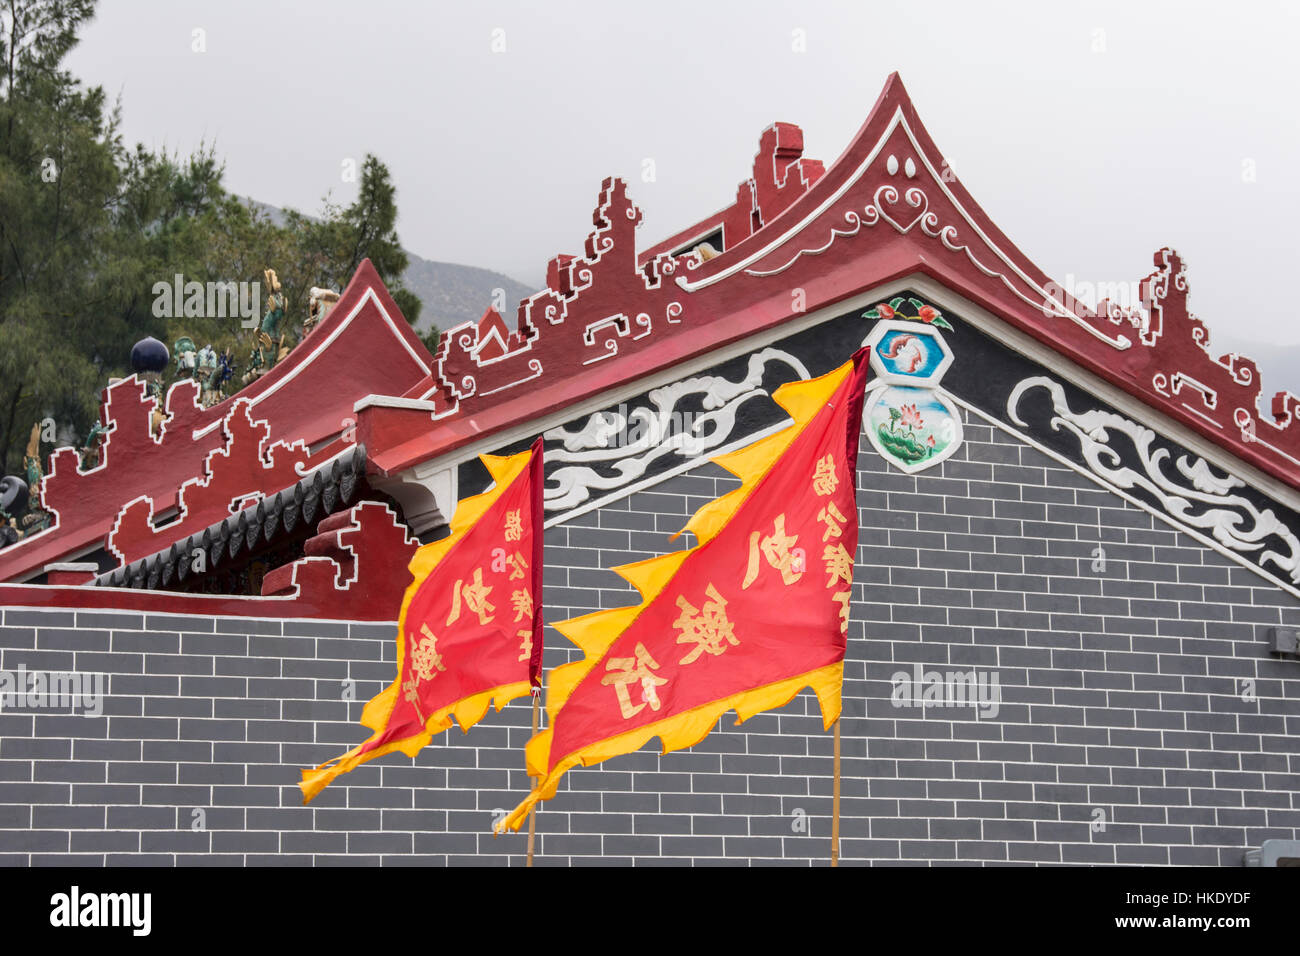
(1120, 692)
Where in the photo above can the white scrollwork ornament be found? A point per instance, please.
(1189, 492)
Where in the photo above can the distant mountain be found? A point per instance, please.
(451, 293)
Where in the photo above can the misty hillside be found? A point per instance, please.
(451, 293)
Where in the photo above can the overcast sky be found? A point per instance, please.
(1092, 133)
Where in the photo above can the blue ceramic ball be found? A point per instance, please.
(13, 494)
(149, 355)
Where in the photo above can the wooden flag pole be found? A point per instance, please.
(835, 801)
(532, 814)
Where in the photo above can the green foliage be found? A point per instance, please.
(61, 175)
(431, 339)
(902, 445)
(333, 246)
(88, 227)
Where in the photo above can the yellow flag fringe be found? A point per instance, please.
(594, 633)
(466, 712)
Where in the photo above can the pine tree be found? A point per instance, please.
(367, 229)
(88, 227)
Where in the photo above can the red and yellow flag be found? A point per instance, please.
(743, 621)
(470, 628)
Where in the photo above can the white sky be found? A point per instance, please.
(1089, 161)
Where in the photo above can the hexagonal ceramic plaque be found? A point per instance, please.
(909, 422)
(909, 353)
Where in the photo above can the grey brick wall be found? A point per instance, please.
(1141, 718)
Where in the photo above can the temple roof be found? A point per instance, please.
(256, 442)
(887, 209)
(799, 239)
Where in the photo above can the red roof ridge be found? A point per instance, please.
(887, 208)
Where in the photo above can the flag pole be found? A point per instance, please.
(835, 802)
(532, 814)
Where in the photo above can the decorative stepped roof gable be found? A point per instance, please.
(363, 347)
(354, 569)
(886, 212)
(248, 468)
(492, 339)
(780, 176)
(321, 491)
(887, 209)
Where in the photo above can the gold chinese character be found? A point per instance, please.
(476, 598)
(834, 521)
(776, 548)
(412, 688)
(425, 657)
(839, 564)
(824, 480)
(709, 631)
(426, 662)
(514, 529)
(628, 670)
(525, 644)
(517, 566)
(842, 597)
(522, 603)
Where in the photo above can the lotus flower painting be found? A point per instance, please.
(912, 427)
(909, 419)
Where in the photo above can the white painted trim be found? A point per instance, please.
(1273, 448)
(939, 295)
(676, 470)
(1061, 459)
(319, 346)
(896, 120)
(387, 401)
(636, 386)
(45, 588)
(1112, 395)
(794, 230)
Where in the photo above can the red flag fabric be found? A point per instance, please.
(744, 620)
(470, 628)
